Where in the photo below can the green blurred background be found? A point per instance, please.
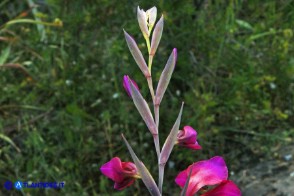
(62, 105)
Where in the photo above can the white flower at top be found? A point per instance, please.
(146, 20)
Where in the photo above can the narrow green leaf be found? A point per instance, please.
(260, 35)
(244, 24)
(7, 139)
(144, 173)
(137, 54)
(40, 27)
(170, 140)
(56, 23)
(165, 76)
(4, 55)
(143, 108)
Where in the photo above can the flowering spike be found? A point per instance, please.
(122, 173)
(143, 171)
(165, 76)
(188, 138)
(126, 85)
(170, 140)
(136, 53)
(143, 108)
(156, 36)
(142, 19)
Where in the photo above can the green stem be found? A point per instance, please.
(157, 146)
(156, 113)
(150, 60)
(150, 56)
(160, 177)
(11, 22)
(150, 85)
(148, 44)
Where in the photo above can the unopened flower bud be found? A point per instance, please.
(142, 19)
(146, 20)
(151, 15)
(126, 84)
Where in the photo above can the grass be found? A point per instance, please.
(62, 111)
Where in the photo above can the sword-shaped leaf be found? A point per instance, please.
(165, 76)
(156, 37)
(144, 173)
(4, 55)
(137, 54)
(143, 108)
(170, 140)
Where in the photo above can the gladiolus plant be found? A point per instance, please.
(198, 176)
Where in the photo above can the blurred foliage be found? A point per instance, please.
(62, 108)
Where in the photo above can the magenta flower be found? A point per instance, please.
(208, 172)
(123, 174)
(188, 138)
(226, 188)
(126, 84)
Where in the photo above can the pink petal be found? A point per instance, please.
(188, 138)
(182, 177)
(113, 169)
(122, 173)
(187, 135)
(129, 168)
(195, 146)
(126, 84)
(226, 188)
(124, 184)
(207, 172)
(135, 84)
